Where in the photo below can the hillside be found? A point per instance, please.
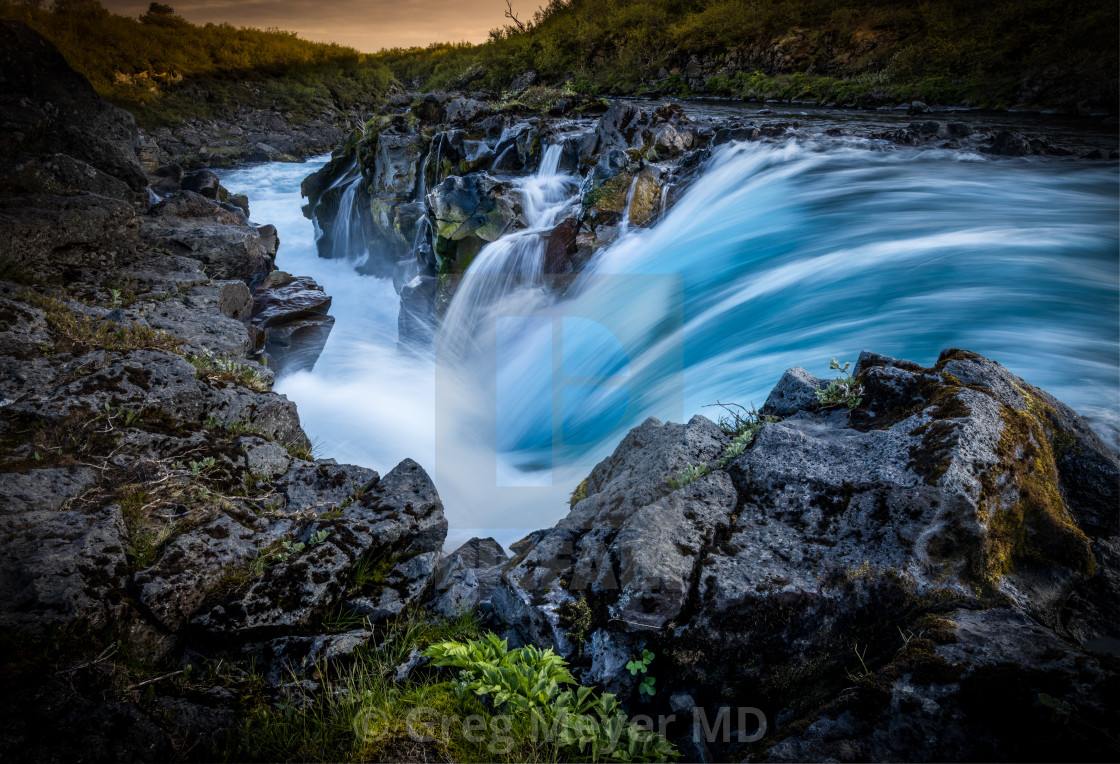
(165, 70)
(998, 53)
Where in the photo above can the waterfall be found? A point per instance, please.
(624, 226)
(516, 260)
(347, 237)
(782, 256)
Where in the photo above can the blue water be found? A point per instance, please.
(777, 256)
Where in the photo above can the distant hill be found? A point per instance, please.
(997, 53)
(165, 69)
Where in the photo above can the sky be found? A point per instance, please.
(367, 25)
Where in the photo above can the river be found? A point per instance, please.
(779, 255)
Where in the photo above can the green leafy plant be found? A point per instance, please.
(842, 391)
(215, 369)
(536, 683)
(688, 475)
(641, 666)
(197, 468)
(318, 537)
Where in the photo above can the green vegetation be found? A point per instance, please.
(79, 332)
(842, 391)
(503, 705)
(688, 475)
(997, 53)
(213, 369)
(165, 69)
(641, 666)
(575, 617)
(525, 687)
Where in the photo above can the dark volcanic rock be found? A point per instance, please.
(49, 108)
(948, 487)
(189, 224)
(292, 313)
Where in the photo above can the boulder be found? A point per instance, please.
(465, 580)
(474, 205)
(292, 313)
(955, 498)
(365, 544)
(189, 224)
(619, 128)
(795, 391)
(202, 182)
(464, 111)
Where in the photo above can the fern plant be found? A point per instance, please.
(536, 682)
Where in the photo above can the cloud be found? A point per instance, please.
(367, 25)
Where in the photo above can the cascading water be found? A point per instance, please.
(515, 260)
(347, 238)
(774, 257)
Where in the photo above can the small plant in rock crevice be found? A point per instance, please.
(528, 683)
(641, 666)
(215, 369)
(742, 424)
(842, 391)
(688, 475)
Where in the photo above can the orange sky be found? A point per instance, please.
(367, 25)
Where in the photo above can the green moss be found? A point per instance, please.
(575, 617)
(1037, 530)
(579, 494)
(78, 332)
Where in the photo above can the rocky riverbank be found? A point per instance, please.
(247, 135)
(914, 563)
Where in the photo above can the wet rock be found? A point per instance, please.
(474, 205)
(733, 134)
(292, 313)
(619, 128)
(202, 182)
(416, 320)
(396, 157)
(1008, 144)
(430, 108)
(644, 197)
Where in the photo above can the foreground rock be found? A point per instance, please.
(875, 579)
(173, 547)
